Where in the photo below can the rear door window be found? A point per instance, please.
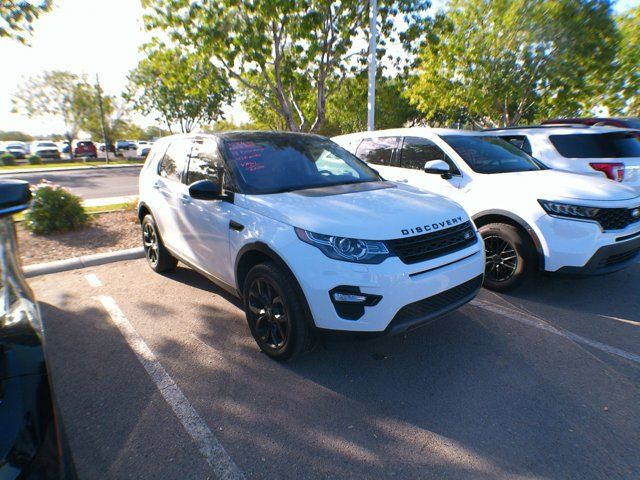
(600, 145)
(379, 150)
(175, 159)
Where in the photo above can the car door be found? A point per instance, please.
(207, 224)
(413, 154)
(172, 193)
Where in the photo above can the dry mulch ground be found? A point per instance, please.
(108, 232)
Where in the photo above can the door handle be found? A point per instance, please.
(156, 185)
(404, 180)
(238, 227)
(186, 199)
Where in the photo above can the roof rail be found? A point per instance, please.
(552, 125)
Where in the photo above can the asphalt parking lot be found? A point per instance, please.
(158, 377)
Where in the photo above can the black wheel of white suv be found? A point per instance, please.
(510, 257)
(158, 257)
(276, 313)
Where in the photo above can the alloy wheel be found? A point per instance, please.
(501, 259)
(270, 319)
(150, 241)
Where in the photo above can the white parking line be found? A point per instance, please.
(209, 446)
(536, 322)
(93, 280)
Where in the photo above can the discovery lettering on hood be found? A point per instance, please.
(434, 226)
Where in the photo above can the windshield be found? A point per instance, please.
(633, 122)
(283, 163)
(488, 154)
(46, 144)
(602, 145)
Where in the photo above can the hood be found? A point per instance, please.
(372, 211)
(554, 184)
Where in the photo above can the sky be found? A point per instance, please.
(89, 37)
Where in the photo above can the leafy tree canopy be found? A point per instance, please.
(17, 17)
(501, 62)
(288, 52)
(182, 88)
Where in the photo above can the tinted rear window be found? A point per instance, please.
(605, 145)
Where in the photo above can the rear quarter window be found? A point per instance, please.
(605, 145)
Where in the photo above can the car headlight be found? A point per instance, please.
(346, 249)
(568, 210)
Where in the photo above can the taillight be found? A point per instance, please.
(613, 171)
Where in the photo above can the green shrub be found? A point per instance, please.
(7, 159)
(55, 209)
(34, 160)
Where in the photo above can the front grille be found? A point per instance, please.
(416, 313)
(435, 244)
(618, 258)
(616, 218)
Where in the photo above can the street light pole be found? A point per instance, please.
(372, 66)
(104, 128)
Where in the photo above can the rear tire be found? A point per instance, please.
(511, 257)
(276, 312)
(158, 257)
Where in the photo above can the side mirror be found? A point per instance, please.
(206, 190)
(438, 167)
(15, 196)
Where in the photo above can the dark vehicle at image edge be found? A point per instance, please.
(32, 442)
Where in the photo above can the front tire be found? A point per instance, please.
(276, 313)
(510, 257)
(158, 257)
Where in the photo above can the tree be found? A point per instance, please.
(181, 88)
(18, 16)
(286, 51)
(15, 136)
(500, 62)
(625, 89)
(56, 93)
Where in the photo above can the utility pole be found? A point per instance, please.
(371, 111)
(104, 128)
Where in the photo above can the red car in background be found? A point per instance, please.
(86, 149)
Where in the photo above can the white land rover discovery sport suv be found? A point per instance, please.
(307, 235)
(531, 218)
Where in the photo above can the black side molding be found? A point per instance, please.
(238, 227)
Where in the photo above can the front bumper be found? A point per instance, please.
(411, 295)
(572, 246)
(608, 259)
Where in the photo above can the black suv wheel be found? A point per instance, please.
(510, 257)
(276, 313)
(158, 257)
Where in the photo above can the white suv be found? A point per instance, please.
(532, 218)
(307, 235)
(606, 152)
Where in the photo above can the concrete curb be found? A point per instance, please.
(83, 262)
(22, 171)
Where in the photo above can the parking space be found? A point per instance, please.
(158, 377)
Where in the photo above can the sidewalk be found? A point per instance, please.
(64, 169)
(97, 202)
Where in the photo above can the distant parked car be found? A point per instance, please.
(86, 149)
(110, 146)
(17, 149)
(45, 149)
(601, 151)
(125, 145)
(622, 122)
(143, 148)
(64, 148)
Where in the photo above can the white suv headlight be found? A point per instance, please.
(346, 249)
(568, 210)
